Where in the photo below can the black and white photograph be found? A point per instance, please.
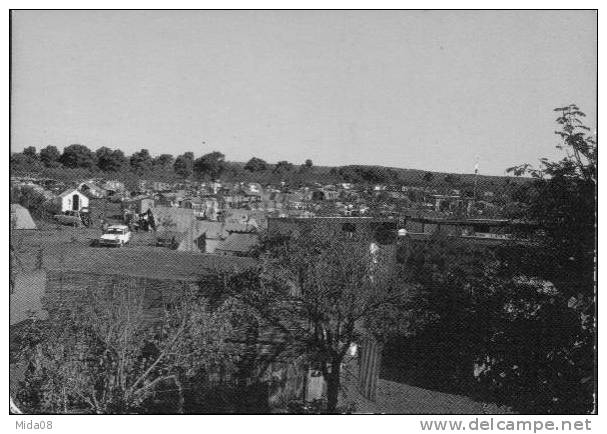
(303, 212)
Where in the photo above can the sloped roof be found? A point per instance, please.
(211, 229)
(239, 227)
(173, 219)
(150, 263)
(91, 185)
(71, 191)
(137, 199)
(167, 235)
(239, 243)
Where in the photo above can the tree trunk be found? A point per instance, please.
(181, 399)
(333, 380)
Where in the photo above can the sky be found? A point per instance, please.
(429, 90)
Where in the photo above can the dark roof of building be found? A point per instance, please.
(461, 222)
(336, 219)
(151, 263)
(466, 240)
(239, 227)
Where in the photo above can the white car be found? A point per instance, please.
(116, 235)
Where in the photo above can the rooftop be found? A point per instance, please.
(150, 263)
(332, 218)
(239, 243)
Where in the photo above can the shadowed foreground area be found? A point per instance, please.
(393, 397)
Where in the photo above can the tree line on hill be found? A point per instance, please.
(77, 161)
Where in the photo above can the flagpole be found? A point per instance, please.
(475, 180)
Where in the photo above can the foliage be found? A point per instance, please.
(30, 151)
(103, 356)
(580, 163)
(256, 165)
(523, 312)
(452, 180)
(50, 156)
(164, 168)
(163, 162)
(368, 174)
(320, 291)
(495, 330)
(183, 165)
(306, 168)
(78, 156)
(209, 166)
(141, 162)
(25, 163)
(38, 205)
(283, 167)
(109, 160)
(562, 201)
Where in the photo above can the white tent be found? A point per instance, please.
(21, 218)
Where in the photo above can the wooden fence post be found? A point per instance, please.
(368, 368)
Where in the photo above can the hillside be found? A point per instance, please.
(297, 175)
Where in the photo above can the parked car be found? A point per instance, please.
(115, 235)
(73, 218)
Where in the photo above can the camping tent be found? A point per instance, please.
(21, 218)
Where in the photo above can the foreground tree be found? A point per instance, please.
(562, 200)
(523, 313)
(322, 293)
(104, 356)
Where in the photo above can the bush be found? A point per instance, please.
(39, 206)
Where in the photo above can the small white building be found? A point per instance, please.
(72, 200)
